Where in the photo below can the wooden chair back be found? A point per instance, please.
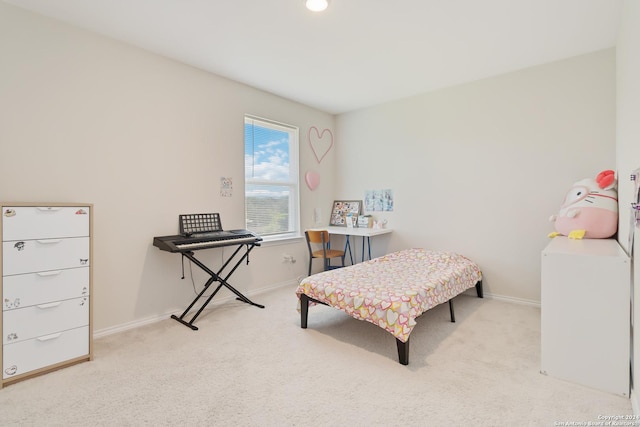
(318, 236)
(321, 237)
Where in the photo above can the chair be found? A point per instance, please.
(320, 239)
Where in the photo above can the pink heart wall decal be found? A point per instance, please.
(312, 179)
(320, 144)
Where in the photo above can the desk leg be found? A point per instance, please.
(347, 247)
(368, 246)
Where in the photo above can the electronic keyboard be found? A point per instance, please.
(212, 239)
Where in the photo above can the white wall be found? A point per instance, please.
(87, 119)
(628, 147)
(480, 167)
(476, 168)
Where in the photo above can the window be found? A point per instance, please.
(271, 178)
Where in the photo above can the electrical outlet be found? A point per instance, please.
(288, 259)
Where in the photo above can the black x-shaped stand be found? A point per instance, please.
(215, 277)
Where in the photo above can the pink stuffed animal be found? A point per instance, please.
(590, 209)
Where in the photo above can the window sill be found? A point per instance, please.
(275, 241)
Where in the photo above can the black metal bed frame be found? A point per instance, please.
(403, 347)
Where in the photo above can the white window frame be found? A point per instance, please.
(293, 183)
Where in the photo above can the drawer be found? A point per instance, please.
(44, 319)
(22, 357)
(24, 290)
(32, 222)
(29, 256)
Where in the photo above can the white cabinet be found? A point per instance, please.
(585, 317)
(46, 288)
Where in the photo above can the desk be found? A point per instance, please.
(355, 231)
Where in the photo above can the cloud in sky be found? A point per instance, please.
(266, 157)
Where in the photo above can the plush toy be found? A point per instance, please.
(590, 209)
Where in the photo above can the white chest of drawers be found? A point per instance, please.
(46, 288)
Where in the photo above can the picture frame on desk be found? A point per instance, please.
(341, 208)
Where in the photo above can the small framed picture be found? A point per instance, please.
(343, 209)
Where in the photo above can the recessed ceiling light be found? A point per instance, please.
(317, 5)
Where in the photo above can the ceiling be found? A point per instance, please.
(357, 53)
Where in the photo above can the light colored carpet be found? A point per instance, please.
(252, 367)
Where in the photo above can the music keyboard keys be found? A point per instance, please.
(179, 243)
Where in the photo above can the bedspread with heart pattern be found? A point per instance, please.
(393, 290)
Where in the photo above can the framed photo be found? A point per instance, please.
(343, 208)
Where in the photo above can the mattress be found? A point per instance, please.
(392, 291)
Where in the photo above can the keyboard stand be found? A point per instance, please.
(215, 277)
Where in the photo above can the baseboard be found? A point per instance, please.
(521, 301)
(635, 406)
(149, 320)
(129, 325)
(142, 322)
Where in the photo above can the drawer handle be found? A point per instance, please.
(49, 337)
(49, 241)
(50, 305)
(49, 273)
(48, 208)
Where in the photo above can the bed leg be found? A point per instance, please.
(479, 289)
(403, 351)
(453, 316)
(304, 310)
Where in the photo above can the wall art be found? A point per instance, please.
(343, 209)
(312, 178)
(378, 200)
(321, 142)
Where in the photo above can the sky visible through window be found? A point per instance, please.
(270, 186)
(266, 156)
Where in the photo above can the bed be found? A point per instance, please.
(392, 291)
